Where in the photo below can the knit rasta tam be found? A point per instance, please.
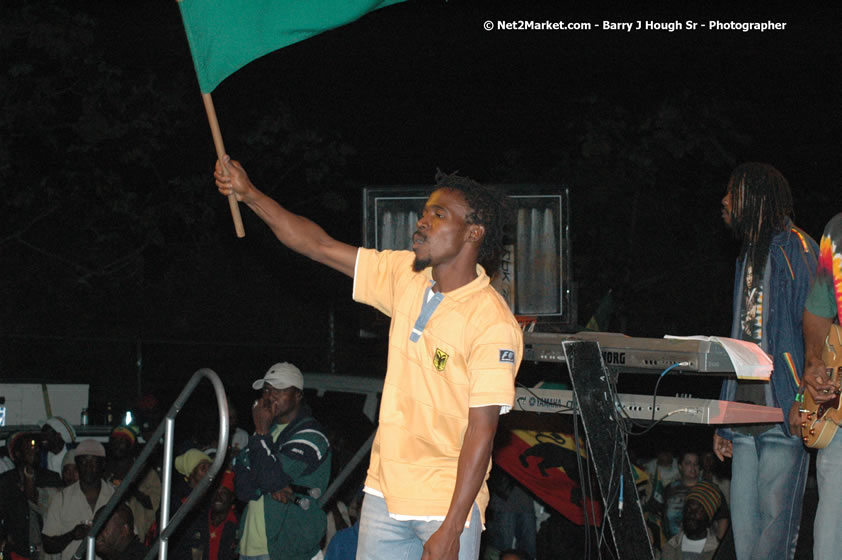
(707, 495)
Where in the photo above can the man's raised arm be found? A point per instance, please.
(296, 232)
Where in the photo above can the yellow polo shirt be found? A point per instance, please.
(467, 355)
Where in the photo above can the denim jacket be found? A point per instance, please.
(790, 269)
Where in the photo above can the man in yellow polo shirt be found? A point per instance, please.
(454, 350)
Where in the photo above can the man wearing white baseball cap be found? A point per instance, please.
(287, 454)
(281, 376)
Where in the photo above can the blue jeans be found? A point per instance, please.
(827, 530)
(384, 538)
(768, 476)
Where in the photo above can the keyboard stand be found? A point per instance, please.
(600, 420)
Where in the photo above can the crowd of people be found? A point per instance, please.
(46, 515)
(675, 480)
(454, 351)
(262, 503)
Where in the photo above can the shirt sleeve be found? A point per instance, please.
(272, 470)
(376, 275)
(267, 470)
(304, 452)
(245, 482)
(822, 300)
(493, 364)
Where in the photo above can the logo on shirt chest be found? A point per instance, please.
(440, 360)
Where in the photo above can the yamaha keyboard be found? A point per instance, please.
(667, 409)
(632, 353)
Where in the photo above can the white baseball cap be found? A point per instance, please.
(281, 376)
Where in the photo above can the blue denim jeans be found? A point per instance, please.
(768, 476)
(384, 538)
(827, 530)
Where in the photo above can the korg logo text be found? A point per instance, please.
(614, 357)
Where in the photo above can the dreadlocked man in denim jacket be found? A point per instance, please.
(775, 269)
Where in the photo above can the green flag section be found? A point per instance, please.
(225, 35)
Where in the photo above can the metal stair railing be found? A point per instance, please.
(166, 429)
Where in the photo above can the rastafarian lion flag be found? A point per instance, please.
(545, 463)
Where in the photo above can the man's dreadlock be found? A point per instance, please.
(761, 206)
(489, 208)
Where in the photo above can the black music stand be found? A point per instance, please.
(592, 390)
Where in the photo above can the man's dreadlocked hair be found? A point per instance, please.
(489, 208)
(761, 206)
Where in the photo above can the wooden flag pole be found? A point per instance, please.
(220, 155)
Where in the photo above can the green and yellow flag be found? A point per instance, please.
(225, 35)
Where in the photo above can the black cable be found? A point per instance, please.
(586, 495)
(644, 428)
(618, 457)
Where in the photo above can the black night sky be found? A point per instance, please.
(116, 248)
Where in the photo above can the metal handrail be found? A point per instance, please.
(167, 429)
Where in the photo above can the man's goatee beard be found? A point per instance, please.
(420, 264)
